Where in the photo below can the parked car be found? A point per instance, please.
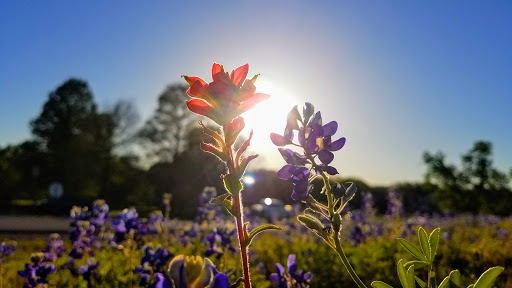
(271, 208)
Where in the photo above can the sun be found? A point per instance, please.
(268, 116)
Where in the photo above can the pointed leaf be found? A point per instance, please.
(213, 150)
(402, 274)
(410, 277)
(487, 278)
(455, 281)
(220, 199)
(425, 247)
(416, 264)
(412, 249)
(242, 149)
(351, 191)
(433, 241)
(380, 284)
(420, 282)
(258, 230)
(445, 282)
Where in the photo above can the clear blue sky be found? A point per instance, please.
(400, 77)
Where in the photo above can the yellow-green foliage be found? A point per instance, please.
(472, 248)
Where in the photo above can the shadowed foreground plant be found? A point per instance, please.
(425, 256)
(314, 141)
(223, 101)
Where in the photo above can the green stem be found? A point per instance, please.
(429, 273)
(338, 248)
(345, 261)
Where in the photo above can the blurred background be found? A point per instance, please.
(92, 104)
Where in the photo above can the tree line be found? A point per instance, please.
(104, 153)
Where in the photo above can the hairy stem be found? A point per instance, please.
(241, 239)
(239, 216)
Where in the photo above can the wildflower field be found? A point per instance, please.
(321, 242)
(125, 258)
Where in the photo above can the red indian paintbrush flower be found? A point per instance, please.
(228, 96)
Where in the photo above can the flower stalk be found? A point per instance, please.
(223, 101)
(315, 141)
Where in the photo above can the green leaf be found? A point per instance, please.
(232, 184)
(433, 241)
(402, 274)
(425, 247)
(258, 230)
(220, 199)
(487, 278)
(445, 282)
(420, 282)
(351, 192)
(380, 284)
(410, 277)
(455, 279)
(413, 250)
(416, 264)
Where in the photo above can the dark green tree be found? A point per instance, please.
(163, 135)
(76, 137)
(476, 187)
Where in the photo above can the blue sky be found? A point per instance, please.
(400, 77)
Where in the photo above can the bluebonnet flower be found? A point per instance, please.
(6, 250)
(157, 258)
(54, 248)
(153, 263)
(162, 282)
(501, 233)
(220, 280)
(395, 207)
(99, 213)
(316, 142)
(36, 273)
(208, 212)
(127, 220)
(90, 271)
(290, 279)
(189, 234)
(357, 235)
(223, 238)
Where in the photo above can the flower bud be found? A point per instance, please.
(190, 271)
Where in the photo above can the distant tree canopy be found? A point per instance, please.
(477, 187)
(163, 135)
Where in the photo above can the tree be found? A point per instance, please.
(125, 119)
(163, 135)
(76, 137)
(477, 187)
(64, 114)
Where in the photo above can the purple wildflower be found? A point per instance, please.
(36, 273)
(6, 250)
(316, 142)
(292, 279)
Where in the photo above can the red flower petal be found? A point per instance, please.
(201, 107)
(239, 74)
(251, 101)
(246, 89)
(234, 129)
(197, 90)
(216, 68)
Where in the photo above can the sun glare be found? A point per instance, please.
(268, 116)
